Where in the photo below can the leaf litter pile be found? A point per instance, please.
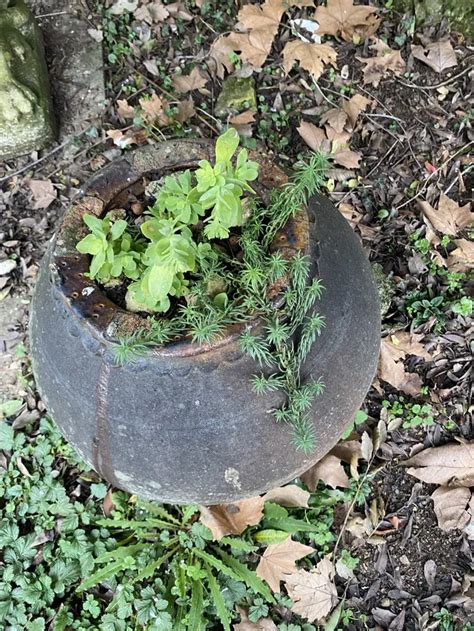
(391, 509)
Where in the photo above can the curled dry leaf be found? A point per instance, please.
(154, 109)
(386, 60)
(354, 106)
(439, 55)
(232, 519)
(43, 193)
(279, 559)
(462, 258)
(120, 139)
(291, 496)
(314, 137)
(450, 465)
(449, 218)
(124, 110)
(330, 470)
(392, 370)
(311, 57)
(192, 81)
(335, 118)
(341, 17)
(313, 593)
(451, 506)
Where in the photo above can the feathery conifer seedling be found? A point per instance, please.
(183, 267)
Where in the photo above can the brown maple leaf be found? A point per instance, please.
(124, 110)
(386, 60)
(341, 17)
(280, 559)
(291, 496)
(450, 465)
(392, 370)
(354, 106)
(192, 81)
(154, 109)
(311, 57)
(451, 505)
(185, 111)
(449, 218)
(330, 470)
(232, 519)
(462, 258)
(439, 55)
(313, 593)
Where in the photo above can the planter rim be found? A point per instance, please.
(108, 190)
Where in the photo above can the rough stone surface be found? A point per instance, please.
(459, 13)
(26, 120)
(75, 63)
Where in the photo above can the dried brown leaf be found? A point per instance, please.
(232, 519)
(195, 80)
(439, 55)
(462, 258)
(392, 370)
(291, 496)
(124, 110)
(261, 23)
(335, 118)
(341, 17)
(244, 118)
(450, 465)
(386, 60)
(313, 593)
(354, 106)
(450, 217)
(264, 624)
(347, 158)
(280, 559)
(366, 446)
(313, 136)
(185, 111)
(154, 109)
(451, 506)
(330, 470)
(311, 57)
(43, 193)
(410, 343)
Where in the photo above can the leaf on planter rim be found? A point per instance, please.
(438, 56)
(330, 470)
(232, 519)
(313, 593)
(450, 465)
(279, 559)
(290, 496)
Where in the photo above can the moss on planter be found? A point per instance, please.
(26, 121)
(460, 13)
(237, 94)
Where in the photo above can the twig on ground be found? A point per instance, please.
(409, 84)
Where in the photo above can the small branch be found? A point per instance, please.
(408, 84)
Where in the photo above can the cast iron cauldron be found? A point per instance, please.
(182, 424)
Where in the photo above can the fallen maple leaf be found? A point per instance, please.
(449, 218)
(185, 110)
(330, 470)
(450, 465)
(386, 60)
(410, 343)
(232, 519)
(336, 118)
(280, 559)
(244, 118)
(313, 136)
(152, 12)
(43, 193)
(354, 106)
(192, 81)
(462, 258)
(124, 110)
(263, 624)
(313, 593)
(120, 139)
(341, 17)
(311, 57)
(291, 496)
(347, 158)
(451, 506)
(438, 55)
(154, 109)
(392, 370)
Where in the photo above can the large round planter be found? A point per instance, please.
(182, 424)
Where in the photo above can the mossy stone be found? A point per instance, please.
(237, 94)
(385, 286)
(459, 13)
(26, 120)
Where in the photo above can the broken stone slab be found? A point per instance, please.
(26, 118)
(238, 93)
(75, 64)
